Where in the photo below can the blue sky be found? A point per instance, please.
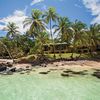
(16, 11)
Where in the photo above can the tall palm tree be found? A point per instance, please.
(50, 16)
(79, 35)
(36, 23)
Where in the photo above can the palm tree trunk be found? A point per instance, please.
(52, 38)
(7, 50)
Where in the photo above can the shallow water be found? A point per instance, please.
(49, 87)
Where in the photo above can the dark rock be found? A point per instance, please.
(3, 68)
(65, 74)
(68, 71)
(22, 73)
(20, 70)
(96, 74)
(43, 72)
(56, 65)
(12, 69)
(27, 66)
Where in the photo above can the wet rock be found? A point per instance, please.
(98, 70)
(65, 74)
(96, 74)
(67, 71)
(22, 73)
(3, 68)
(20, 70)
(12, 69)
(27, 66)
(56, 65)
(43, 72)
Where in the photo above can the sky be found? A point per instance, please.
(16, 11)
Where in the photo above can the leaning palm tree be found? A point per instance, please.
(79, 35)
(5, 47)
(50, 16)
(36, 23)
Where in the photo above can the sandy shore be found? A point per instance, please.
(82, 64)
(85, 65)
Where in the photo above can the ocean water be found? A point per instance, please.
(49, 87)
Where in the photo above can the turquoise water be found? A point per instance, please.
(49, 87)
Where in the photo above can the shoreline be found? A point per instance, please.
(58, 65)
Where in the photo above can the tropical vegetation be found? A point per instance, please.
(48, 27)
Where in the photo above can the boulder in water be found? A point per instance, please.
(43, 72)
(65, 74)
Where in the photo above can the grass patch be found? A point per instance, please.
(68, 55)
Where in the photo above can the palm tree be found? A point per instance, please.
(36, 23)
(63, 28)
(51, 16)
(5, 47)
(12, 30)
(93, 36)
(79, 35)
(42, 39)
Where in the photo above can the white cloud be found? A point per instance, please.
(94, 7)
(17, 17)
(35, 2)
